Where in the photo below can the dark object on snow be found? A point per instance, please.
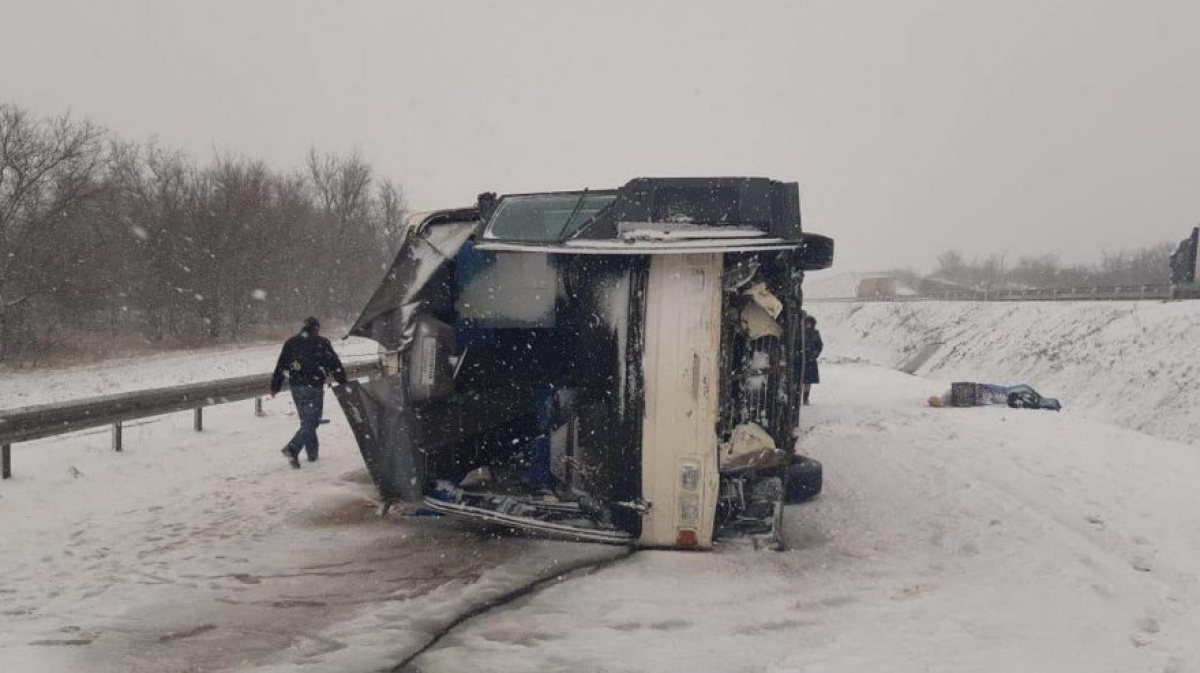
(804, 480)
(965, 394)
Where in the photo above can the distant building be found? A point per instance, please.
(876, 287)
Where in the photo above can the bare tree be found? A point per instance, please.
(393, 212)
(100, 237)
(343, 185)
(1145, 266)
(951, 267)
(351, 234)
(50, 173)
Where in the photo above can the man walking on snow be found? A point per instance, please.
(307, 358)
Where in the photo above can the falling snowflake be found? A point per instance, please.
(139, 232)
(259, 294)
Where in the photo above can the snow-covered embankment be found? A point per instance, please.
(1134, 364)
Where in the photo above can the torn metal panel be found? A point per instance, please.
(383, 426)
(390, 313)
(757, 323)
(763, 297)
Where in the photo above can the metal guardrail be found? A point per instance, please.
(47, 420)
(1098, 293)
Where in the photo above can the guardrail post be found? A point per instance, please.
(6, 461)
(117, 436)
(198, 419)
(258, 406)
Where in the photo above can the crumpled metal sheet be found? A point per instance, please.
(757, 323)
(382, 424)
(389, 316)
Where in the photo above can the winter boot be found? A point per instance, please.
(293, 460)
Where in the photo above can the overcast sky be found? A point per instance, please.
(1026, 126)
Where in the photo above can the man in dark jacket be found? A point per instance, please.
(307, 358)
(812, 350)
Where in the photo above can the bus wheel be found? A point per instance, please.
(804, 480)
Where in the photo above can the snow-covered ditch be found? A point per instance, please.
(1134, 364)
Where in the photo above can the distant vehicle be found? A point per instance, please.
(615, 366)
(876, 287)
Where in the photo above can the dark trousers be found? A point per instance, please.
(310, 403)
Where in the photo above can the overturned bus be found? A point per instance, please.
(616, 365)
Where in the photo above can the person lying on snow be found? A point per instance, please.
(963, 394)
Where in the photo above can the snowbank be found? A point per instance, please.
(26, 387)
(1129, 363)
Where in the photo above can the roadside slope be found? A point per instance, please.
(1129, 363)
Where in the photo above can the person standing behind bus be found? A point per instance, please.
(812, 350)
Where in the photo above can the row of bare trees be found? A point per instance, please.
(1146, 266)
(103, 239)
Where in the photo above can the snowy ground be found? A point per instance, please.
(25, 387)
(199, 552)
(1130, 363)
(946, 540)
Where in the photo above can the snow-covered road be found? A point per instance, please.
(204, 551)
(947, 540)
